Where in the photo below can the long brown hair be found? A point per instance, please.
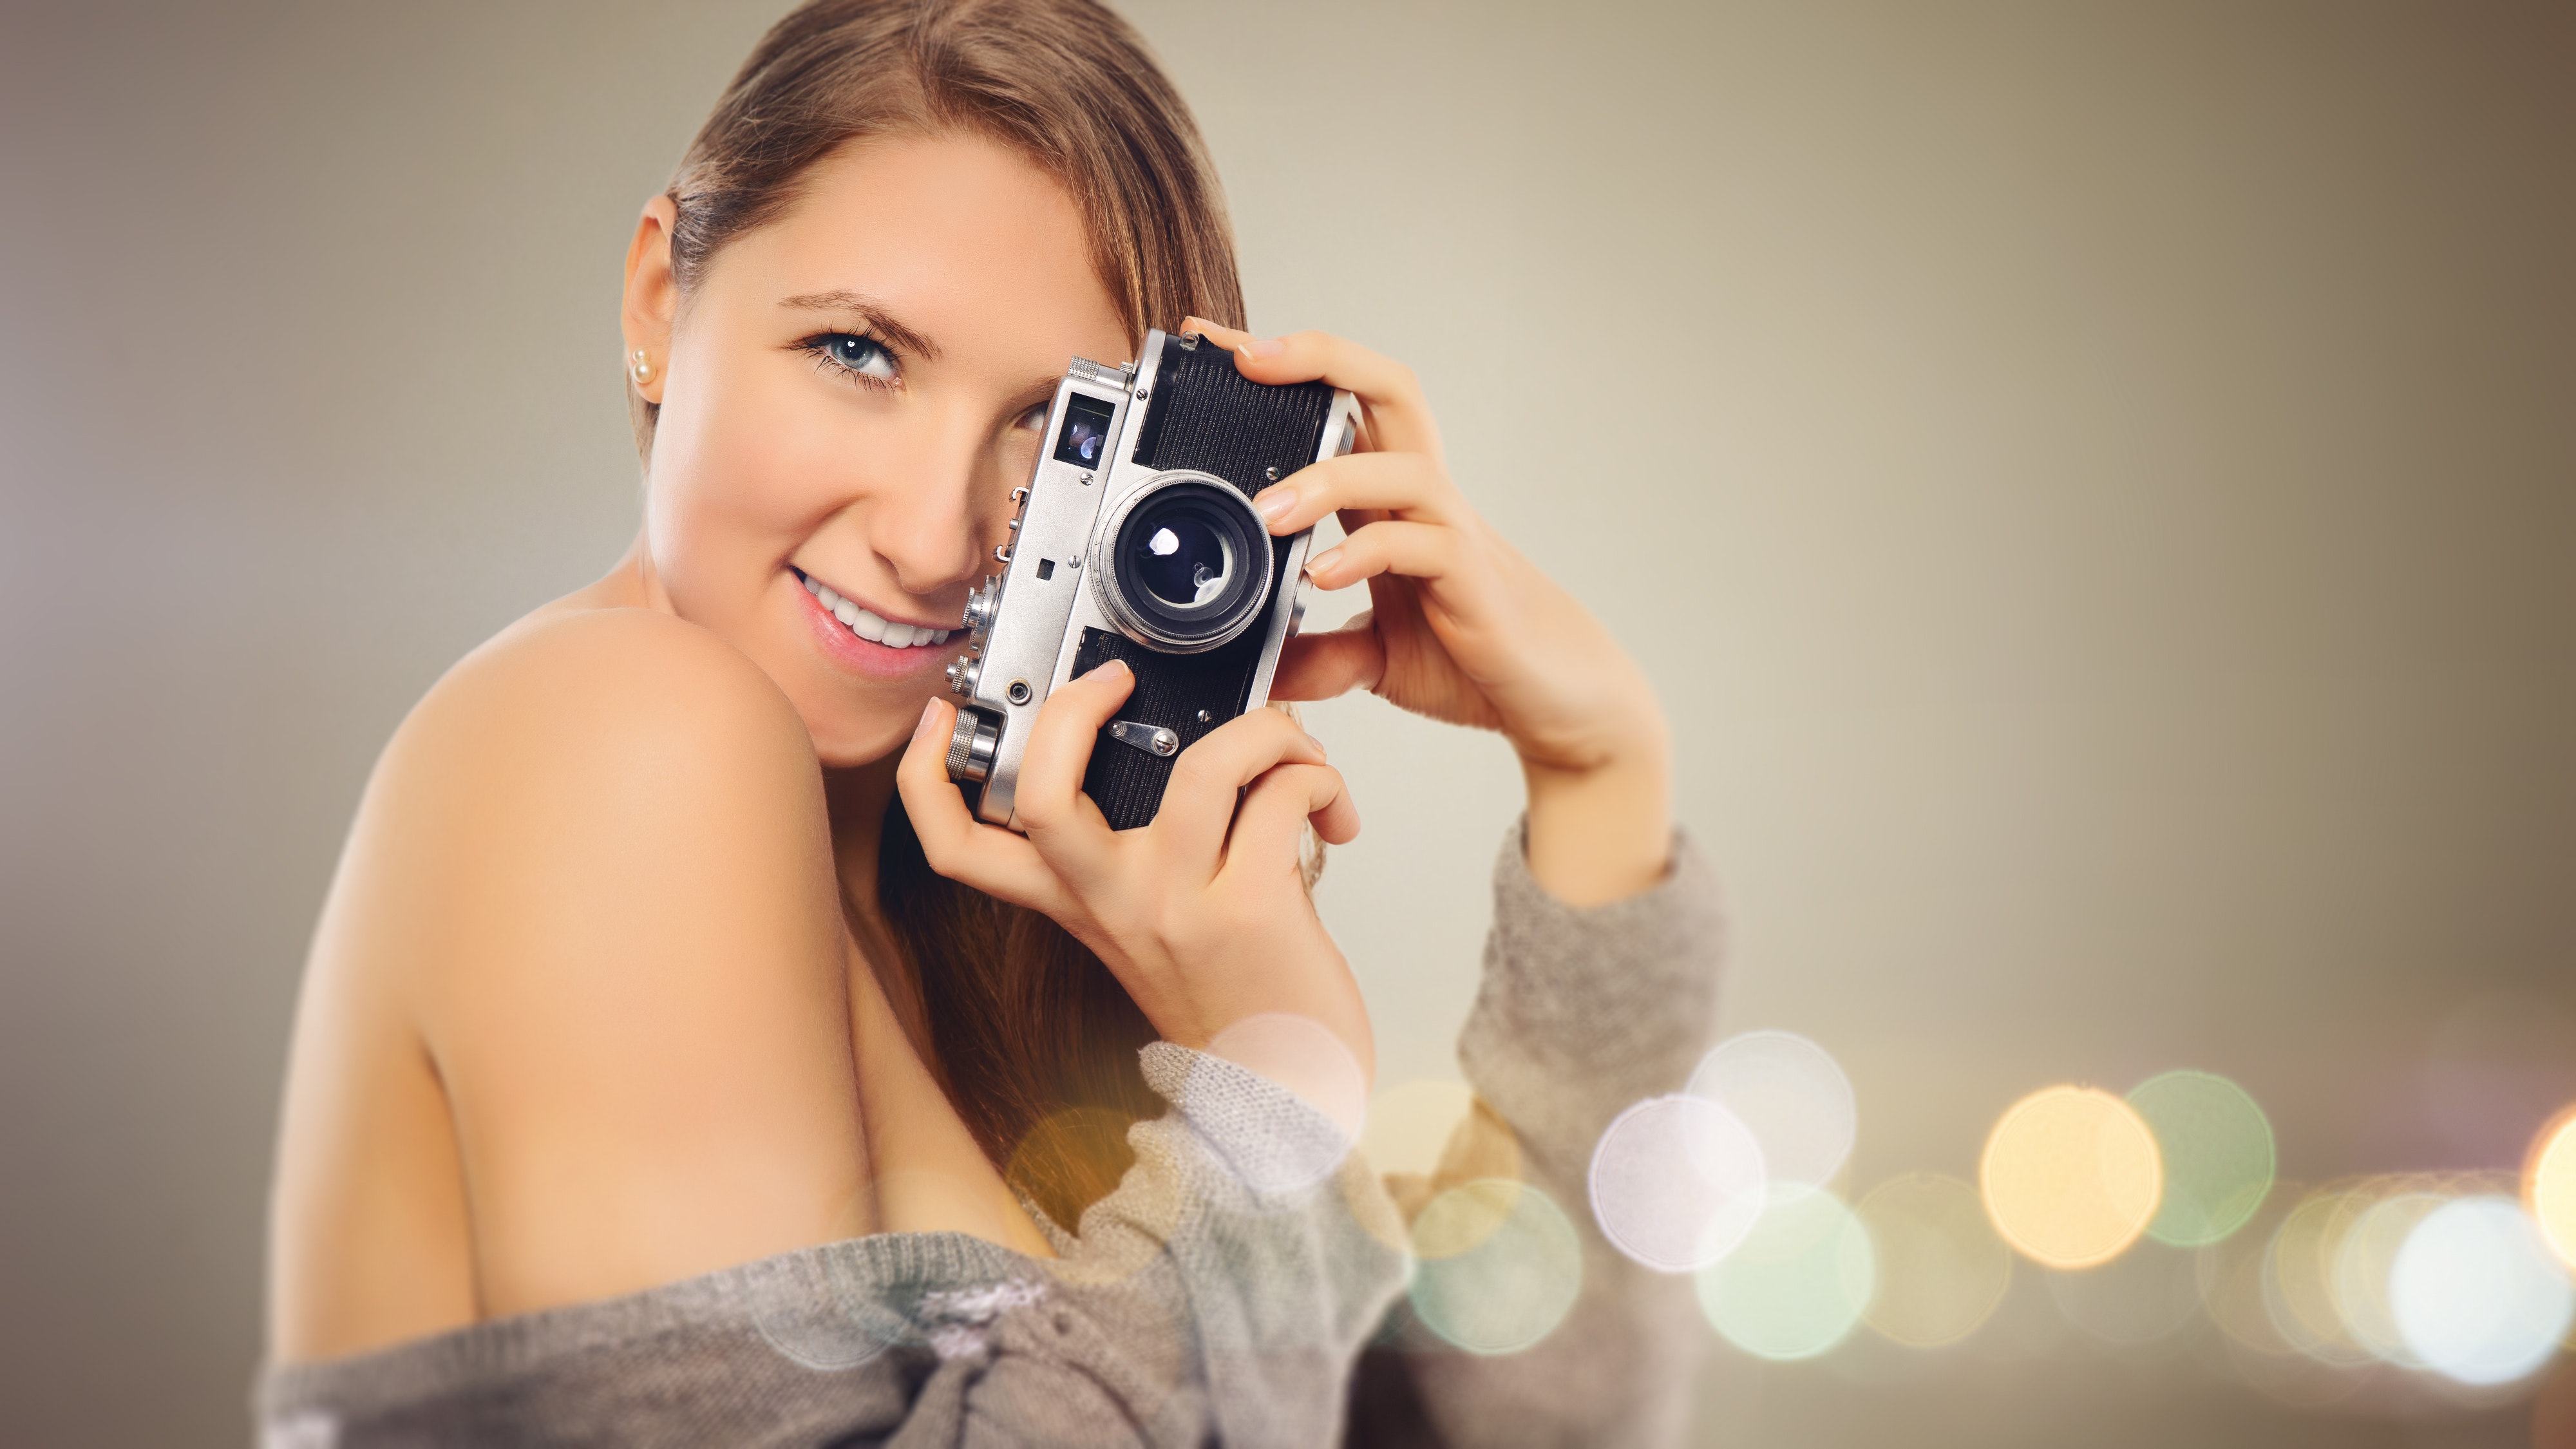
(1035, 1040)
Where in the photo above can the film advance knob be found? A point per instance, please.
(970, 747)
(961, 675)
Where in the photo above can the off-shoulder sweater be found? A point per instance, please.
(1244, 1284)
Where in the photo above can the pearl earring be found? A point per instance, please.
(643, 366)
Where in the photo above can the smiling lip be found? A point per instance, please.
(863, 640)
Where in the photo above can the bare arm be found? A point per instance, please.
(594, 879)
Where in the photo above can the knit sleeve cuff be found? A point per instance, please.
(1268, 1139)
(1583, 1010)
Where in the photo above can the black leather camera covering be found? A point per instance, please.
(1203, 415)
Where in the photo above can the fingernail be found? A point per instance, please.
(1318, 744)
(1276, 502)
(1111, 670)
(929, 711)
(1323, 562)
(1257, 348)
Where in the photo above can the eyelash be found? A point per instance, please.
(820, 347)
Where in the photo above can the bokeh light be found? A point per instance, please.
(1308, 1059)
(1303, 1055)
(1515, 1279)
(1425, 1136)
(2299, 1271)
(2137, 1298)
(2549, 1185)
(1409, 1126)
(2364, 1258)
(2230, 1273)
(1065, 1146)
(1676, 1182)
(1798, 1283)
(1941, 1269)
(2070, 1176)
(2478, 1295)
(1792, 1094)
(2216, 1147)
(812, 1310)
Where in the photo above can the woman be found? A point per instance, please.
(679, 1061)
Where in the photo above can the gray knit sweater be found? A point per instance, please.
(1243, 1285)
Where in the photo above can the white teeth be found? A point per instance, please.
(868, 625)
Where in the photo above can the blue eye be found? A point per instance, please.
(862, 356)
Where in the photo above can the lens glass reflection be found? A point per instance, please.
(1180, 559)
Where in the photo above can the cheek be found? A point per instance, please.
(739, 476)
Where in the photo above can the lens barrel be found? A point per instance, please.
(1184, 564)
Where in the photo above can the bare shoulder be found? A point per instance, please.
(593, 879)
(604, 686)
(583, 775)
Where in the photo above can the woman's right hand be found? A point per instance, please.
(1202, 915)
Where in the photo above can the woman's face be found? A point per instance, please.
(848, 398)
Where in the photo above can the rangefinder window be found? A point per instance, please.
(1086, 430)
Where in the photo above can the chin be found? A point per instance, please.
(846, 743)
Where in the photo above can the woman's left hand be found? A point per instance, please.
(1462, 628)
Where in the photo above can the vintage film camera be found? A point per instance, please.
(1136, 539)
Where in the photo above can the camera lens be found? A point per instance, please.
(1182, 561)
(1190, 563)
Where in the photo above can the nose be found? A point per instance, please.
(928, 525)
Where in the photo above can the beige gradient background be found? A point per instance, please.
(2097, 485)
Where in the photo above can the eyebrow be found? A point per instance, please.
(878, 318)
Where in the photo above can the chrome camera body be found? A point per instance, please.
(1136, 539)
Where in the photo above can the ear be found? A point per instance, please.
(652, 296)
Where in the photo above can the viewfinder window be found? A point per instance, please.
(1086, 431)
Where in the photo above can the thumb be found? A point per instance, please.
(1321, 666)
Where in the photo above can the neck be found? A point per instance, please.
(857, 797)
(632, 584)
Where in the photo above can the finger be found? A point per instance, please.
(1427, 551)
(1276, 810)
(1323, 666)
(1199, 800)
(1067, 829)
(1399, 419)
(1410, 485)
(957, 845)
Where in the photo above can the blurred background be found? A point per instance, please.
(2095, 483)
